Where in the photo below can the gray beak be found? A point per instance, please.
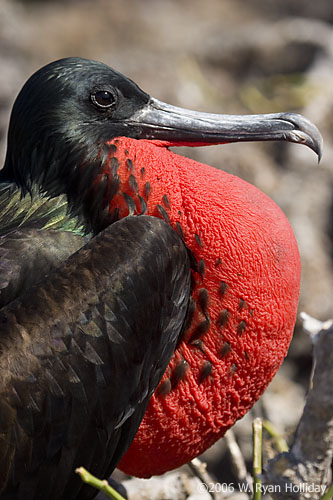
(177, 126)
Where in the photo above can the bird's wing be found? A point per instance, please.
(81, 355)
(27, 255)
(36, 235)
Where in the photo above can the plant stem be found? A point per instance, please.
(257, 461)
(99, 484)
(280, 442)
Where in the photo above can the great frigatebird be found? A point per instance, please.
(82, 351)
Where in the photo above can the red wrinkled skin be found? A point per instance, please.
(250, 268)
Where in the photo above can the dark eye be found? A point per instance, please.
(103, 99)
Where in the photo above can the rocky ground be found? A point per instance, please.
(226, 56)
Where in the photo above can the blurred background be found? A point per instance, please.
(231, 56)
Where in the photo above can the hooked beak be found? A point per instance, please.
(177, 126)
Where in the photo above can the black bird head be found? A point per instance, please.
(68, 109)
(62, 116)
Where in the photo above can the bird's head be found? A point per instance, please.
(67, 112)
(61, 119)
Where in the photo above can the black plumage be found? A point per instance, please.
(36, 235)
(91, 343)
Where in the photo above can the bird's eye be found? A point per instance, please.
(103, 99)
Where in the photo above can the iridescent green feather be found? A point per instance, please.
(34, 211)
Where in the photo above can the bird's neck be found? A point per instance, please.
(135, 177)
(105, 183)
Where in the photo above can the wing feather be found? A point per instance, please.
(81, 354)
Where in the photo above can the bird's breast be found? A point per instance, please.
(246, 273)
